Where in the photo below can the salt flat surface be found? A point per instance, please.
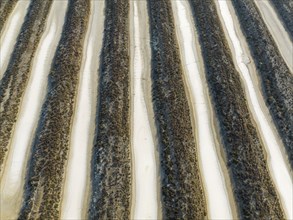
(145, 204)
(10, 33)
(74, 203)
(213, 178)
(277, 165)
(15, 167)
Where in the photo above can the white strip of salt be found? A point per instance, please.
(145, 202)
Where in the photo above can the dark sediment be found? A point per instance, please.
(284, 9)
(14, 81)
(111, 155)
(275, 76)
(46, 166)
(182, 193)
(6, 8)
(252, 186)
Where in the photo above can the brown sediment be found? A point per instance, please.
(14, 81)
(6, 7)
(50, 148)
(182, 194)
(111, 155)
(253, 190)
(276, 78)
(10, 32)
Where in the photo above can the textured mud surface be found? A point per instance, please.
(284, 9)
(274, 74)
(66, 153)
(6, 7)
(111, 162)
(49, 152)
(253, 189)
(181, 187)
(14, 81)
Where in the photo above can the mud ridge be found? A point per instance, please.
(182, 192)
(111, 155)
(6, 7)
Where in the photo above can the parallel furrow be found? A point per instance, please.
(10, 32)
(6, 7)
(111, 159)
(275, 76)
(182, 193)
(77, 178)
(253, 189)
(15, 167)
(14, 81)
(277, 30)
(104, 112)
(50, 148)
(279, 170)
(214, 176)
(285, 10)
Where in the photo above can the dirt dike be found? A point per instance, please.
(111, 154)
(182, 194)
(6, 7)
